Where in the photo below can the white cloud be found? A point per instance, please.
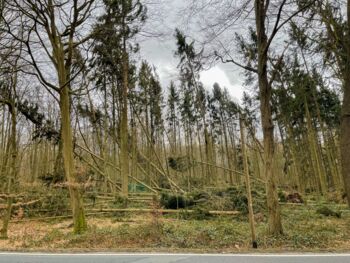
(216, 74)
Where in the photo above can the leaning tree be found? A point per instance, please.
(260, 56)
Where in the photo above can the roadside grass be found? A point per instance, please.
(305, 230)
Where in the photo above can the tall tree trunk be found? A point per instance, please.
(208, 156)
(124, 154)
(331, 161)
(68, 162)
(315, 157)
(228, 156)
(274, 216)
(202, 168)
(114, 130)
(333, 142)
(296, 161)
(6, 147)
(345, 121)
(247, 182)
(234, 154)
(12, 171)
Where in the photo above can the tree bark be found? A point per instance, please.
(79, 221)
(247, 181)
(124, 152)
(345, 120)
(12, 170)
(315, 156)
(274, 217)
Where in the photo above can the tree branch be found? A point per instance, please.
(278, 26)
(246, 67)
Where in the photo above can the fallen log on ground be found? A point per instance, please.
(163, 211)
(20, 204)
(95, 212)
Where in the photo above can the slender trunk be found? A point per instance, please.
(124, 158)
(33, 163)
(188, 152)
(12, 171)
(114, 131)
(332, 141)
(149, 143)
(97, 131)
(274, 216)
(228, 155)
(226, 173)
(315, 153)
(345, 120)
(331, 162)
(234, 155)
(247, 181)
(6, 148)
(193, 168)
(208, 155)
(79, 221)
(202, 168)
(213, 160)
(296, 162)
(286, 176)
(175, 135)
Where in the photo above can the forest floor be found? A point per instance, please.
(305, 230)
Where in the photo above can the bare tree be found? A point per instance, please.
(56, 29)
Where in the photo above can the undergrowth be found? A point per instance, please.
(304, 229)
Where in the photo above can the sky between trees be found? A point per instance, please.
(167, 15)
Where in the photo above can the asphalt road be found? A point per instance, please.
(178, 258)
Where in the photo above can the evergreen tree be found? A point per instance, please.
(120, 23)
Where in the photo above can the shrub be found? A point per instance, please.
(172, 201)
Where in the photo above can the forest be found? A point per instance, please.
(98, 150)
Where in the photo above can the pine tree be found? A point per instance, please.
(121, 22)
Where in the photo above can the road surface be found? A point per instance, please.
(167, 258)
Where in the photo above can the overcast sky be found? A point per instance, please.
(165, 16)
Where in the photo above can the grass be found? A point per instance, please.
(305, 230)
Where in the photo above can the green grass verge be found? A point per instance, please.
(304, 230)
